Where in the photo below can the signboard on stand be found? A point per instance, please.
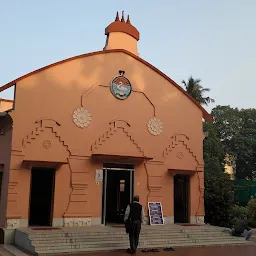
(155, 213)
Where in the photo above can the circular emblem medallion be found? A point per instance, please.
(121, 87)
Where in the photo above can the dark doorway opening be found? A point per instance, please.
(181, 198)
(118, 193)
(41, 196)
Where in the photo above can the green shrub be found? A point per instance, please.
(252, 209)
(238, 210)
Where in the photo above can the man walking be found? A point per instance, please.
(134, 216)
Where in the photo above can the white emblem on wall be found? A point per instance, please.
(99, 176)
(155, 126)
(81, 117)
(77, 222)
(12, 223)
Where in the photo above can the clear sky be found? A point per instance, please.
(211, 40)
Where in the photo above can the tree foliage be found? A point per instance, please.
(252, 209)
(237, 131)
(228, 124)
(232, 134)
(219, 191)
(193, 87)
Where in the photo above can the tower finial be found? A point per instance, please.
(122, 16)
(128, 20)
(117, 17)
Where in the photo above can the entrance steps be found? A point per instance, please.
(103, 238)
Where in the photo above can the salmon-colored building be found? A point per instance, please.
(5, 105)
(87, 133)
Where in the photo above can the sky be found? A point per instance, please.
(211, 40)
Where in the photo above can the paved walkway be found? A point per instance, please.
(242, 250)
(247, 250)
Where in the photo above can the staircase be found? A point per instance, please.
(101, 238)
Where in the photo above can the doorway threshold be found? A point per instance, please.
(115, 225)
(44, 228)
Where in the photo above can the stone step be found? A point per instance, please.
(204, 230)
(121, 238)
(125, 235)
(148, 237)
(72, 240)
(91, 237)
(123, 243)
(88, 240)
(44, 251)
(118, 230)
(96, 234)
(102, 229)
(81, 240)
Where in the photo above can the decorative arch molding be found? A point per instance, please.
(41, 125)
(114, 125)
(97, 84)
(198, 174)
(48, 122)
(180, 139)
(88, 91)
(119, 123)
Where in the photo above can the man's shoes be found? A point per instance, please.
(130, 251)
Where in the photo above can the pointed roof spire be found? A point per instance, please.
(122, 26)
(122, 16)
(117, 17)
(128, 20)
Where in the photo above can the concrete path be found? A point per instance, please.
(10, 250)
(246, 250)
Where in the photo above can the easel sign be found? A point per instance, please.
(155, 213)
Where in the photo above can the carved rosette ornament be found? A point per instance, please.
(180, 155)
(155, 126)
(47, 144)
(81, 117)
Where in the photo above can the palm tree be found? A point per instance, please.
(194, 88)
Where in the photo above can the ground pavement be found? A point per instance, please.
(243, 250)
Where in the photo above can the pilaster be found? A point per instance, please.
(155, 171)
(78, 211)
(13, 202)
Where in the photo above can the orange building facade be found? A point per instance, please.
(5, 105)
(86, 134)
